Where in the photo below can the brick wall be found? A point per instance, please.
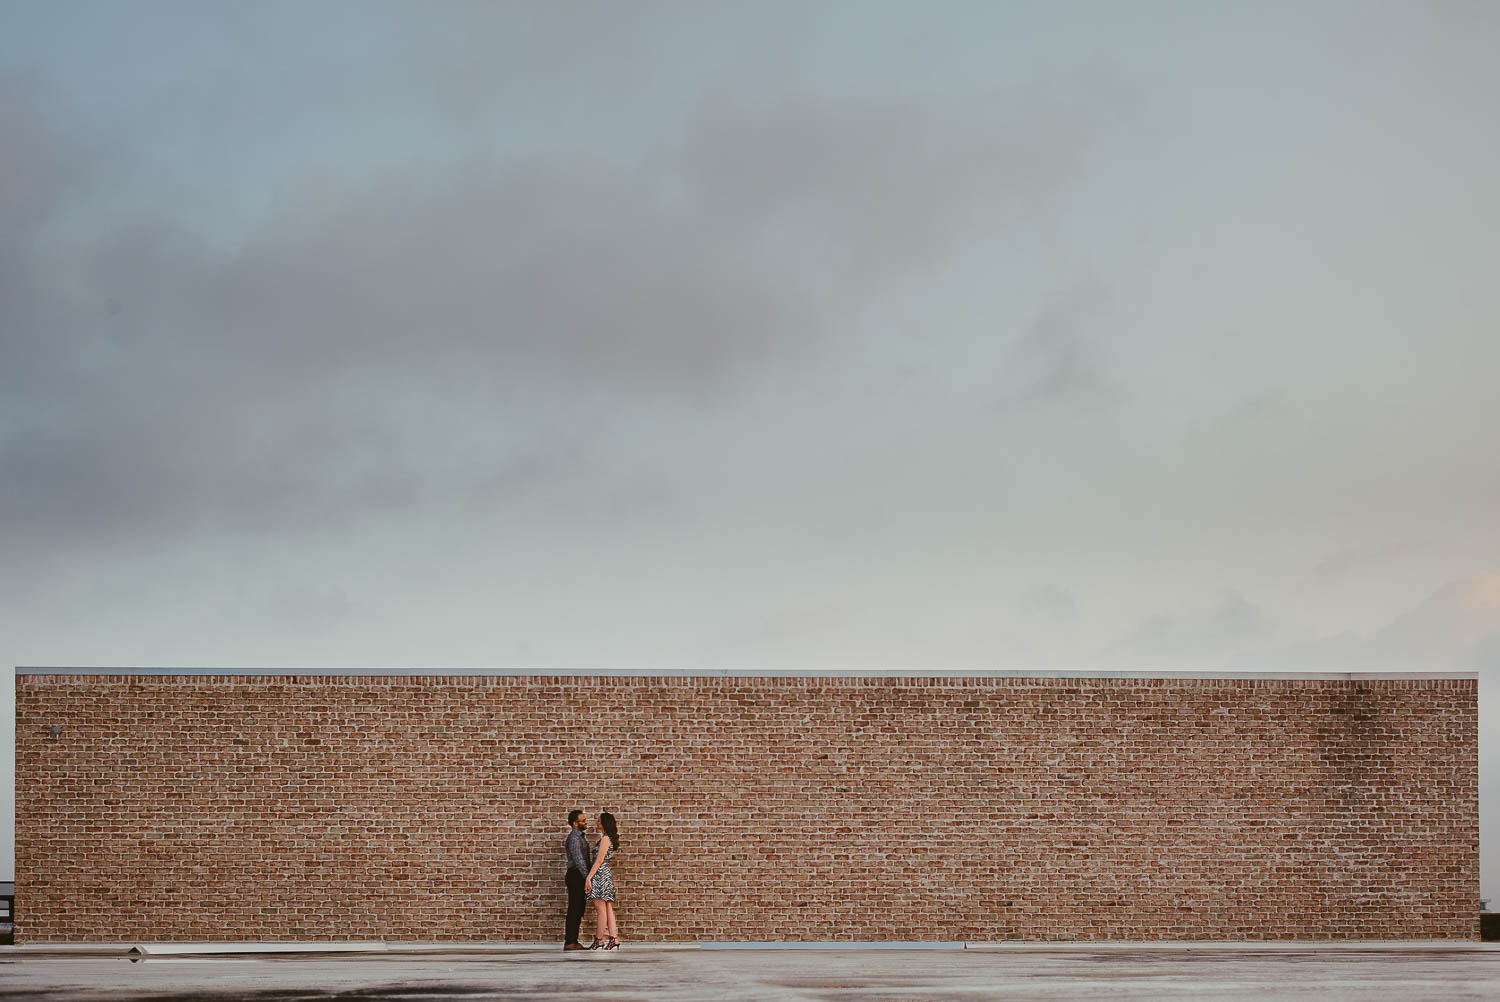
(771, 808)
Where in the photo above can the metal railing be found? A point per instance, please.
(7, 914)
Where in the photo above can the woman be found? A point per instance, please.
(599, 886)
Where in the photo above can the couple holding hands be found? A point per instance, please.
(589, 878)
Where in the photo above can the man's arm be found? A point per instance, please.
(575, 851)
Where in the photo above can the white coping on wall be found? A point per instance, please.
(748, 673)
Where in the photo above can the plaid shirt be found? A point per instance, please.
(580, 856)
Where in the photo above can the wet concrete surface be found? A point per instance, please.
(1330, 974)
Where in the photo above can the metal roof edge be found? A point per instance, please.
(303, 671)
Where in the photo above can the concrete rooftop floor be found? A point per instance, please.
(1117, 972)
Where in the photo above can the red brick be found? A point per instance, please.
(780, 808)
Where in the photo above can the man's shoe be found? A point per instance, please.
(574, 946)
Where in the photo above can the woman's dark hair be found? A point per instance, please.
(607, 822)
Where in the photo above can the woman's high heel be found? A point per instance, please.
(613, 944)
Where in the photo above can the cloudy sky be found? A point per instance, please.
(752, 335)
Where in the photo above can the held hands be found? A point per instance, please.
(588, 885)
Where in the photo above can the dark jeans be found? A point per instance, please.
(575, 904)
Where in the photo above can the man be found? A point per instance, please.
(580, 859)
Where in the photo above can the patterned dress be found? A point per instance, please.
(604, 881)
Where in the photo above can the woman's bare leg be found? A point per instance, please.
(614, 930)
(601, 920)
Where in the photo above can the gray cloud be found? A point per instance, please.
(44, 161)
(434, 336)
(1342, 563)
(1050, 600)
(1061, 361)
(1457, 627)
(1207, 637)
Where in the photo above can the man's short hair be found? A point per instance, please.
(573, 817)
